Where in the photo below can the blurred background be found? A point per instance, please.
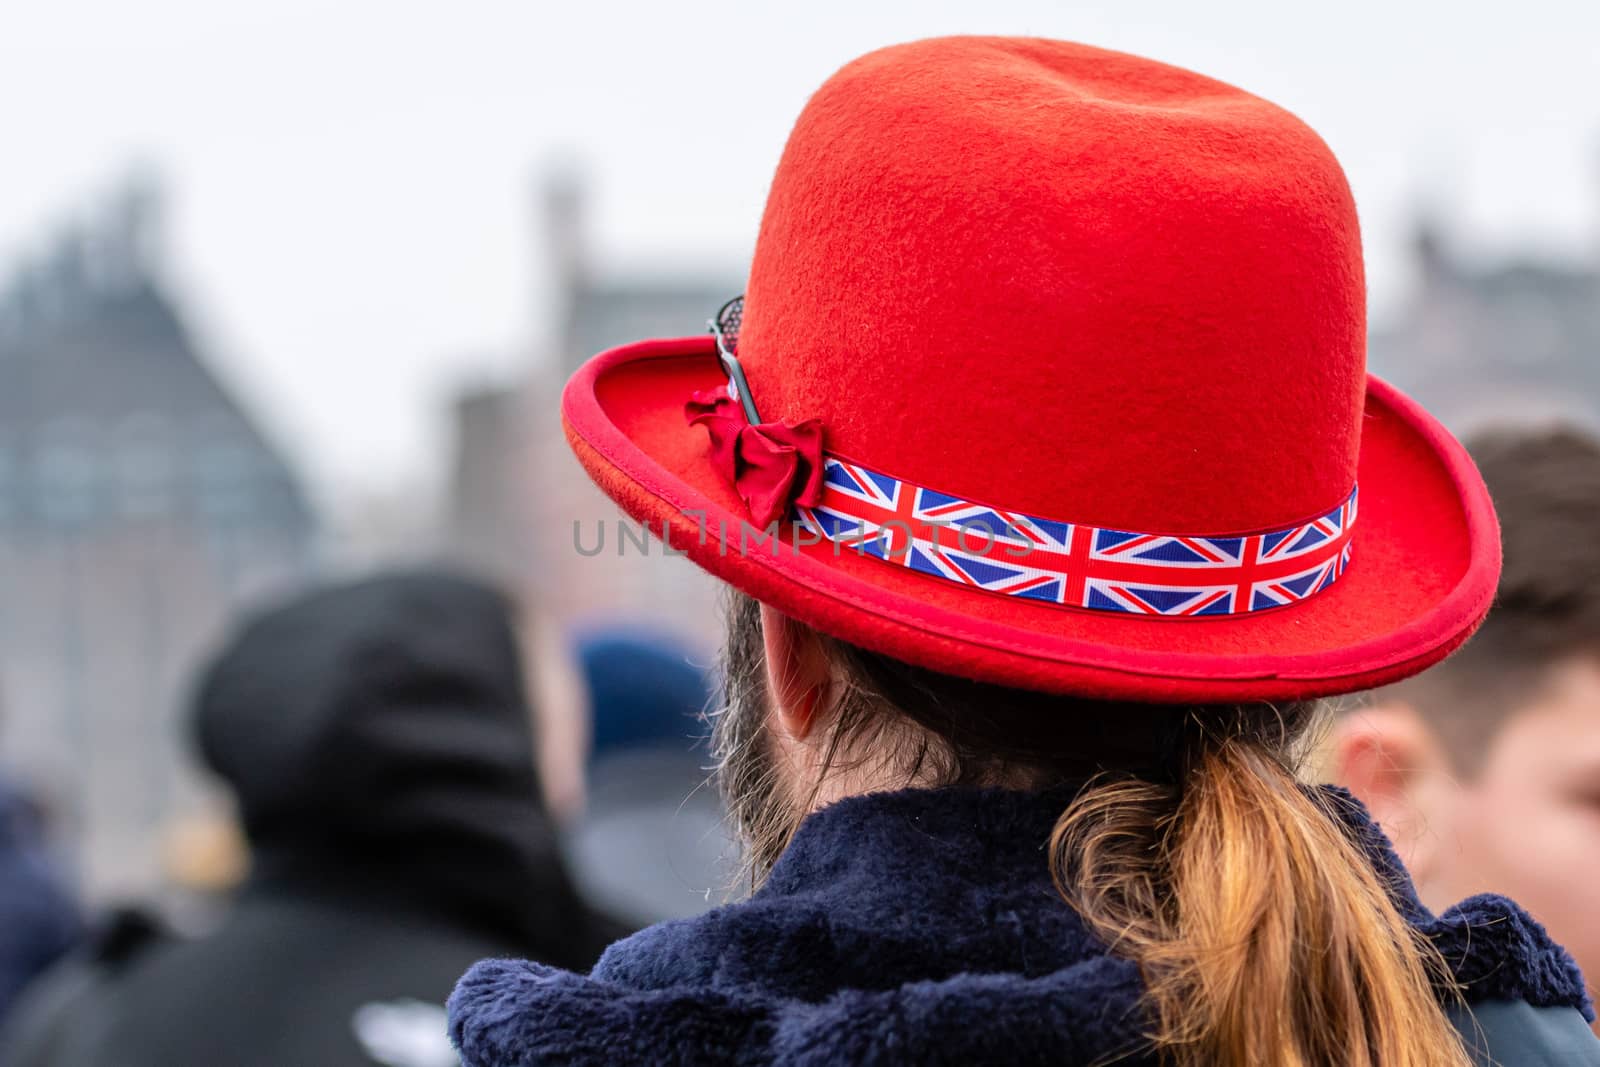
(290, 290)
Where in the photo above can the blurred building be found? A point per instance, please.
(1481, 342)
(517, 492)
(138, 503)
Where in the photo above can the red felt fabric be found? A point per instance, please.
(1071, 281)
(1080, 285)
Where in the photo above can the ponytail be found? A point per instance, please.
(1263, 932)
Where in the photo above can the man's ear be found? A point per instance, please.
(798, 673)
(1387, 755)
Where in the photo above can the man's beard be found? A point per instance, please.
(763, 814)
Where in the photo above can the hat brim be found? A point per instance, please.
(1421, 578)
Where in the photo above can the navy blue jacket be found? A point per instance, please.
(921, 927)
(38, 918)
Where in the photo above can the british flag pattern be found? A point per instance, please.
(1072, 564)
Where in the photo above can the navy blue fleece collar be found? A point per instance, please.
(909, 927)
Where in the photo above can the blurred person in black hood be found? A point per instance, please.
(380, 746)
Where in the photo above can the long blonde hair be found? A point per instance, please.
(1264, 934)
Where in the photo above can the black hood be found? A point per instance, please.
(379, 741)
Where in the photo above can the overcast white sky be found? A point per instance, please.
(350, 183)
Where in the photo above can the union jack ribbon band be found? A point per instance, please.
(1075, 565)
(1064, 563)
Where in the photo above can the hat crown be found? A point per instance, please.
(1068, 281)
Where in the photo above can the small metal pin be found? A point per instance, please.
(725, 323)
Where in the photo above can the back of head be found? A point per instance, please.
(1263, 930)
(1049, 380)
(379, 732)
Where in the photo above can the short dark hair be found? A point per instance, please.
(1546, 489)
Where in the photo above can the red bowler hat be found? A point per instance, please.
(1051, 373)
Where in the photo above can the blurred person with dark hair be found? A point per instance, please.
(39, 919)
(1485, 770)
(651, 842)
(379, 743)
